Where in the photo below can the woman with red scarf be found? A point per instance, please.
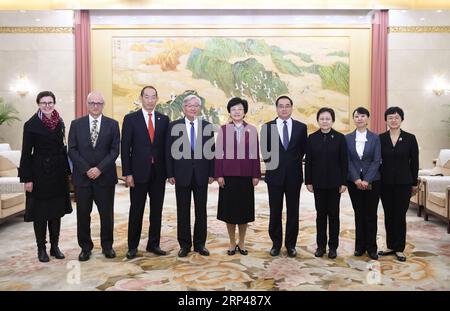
(44, 169)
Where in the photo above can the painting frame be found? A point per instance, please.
(359, 46)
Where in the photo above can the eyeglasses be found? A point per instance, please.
(236, 109)
(93, 104)
(192, 106)
(48, 104)
(393, 118)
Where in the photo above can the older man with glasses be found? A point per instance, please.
(190, 169)
(93, 148)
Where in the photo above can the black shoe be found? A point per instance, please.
(84, 255)
(358, 253)
(183, 252)
(231, 252)
(202, 251)
(42, 255)
(56, 252)
(242, 250)
(291, 252)
(109, 253)
(274, 251)
(386, 252)
(373, 255)
(156, 250)
(132, 253)
(332, 254)
(319, 252)
(400, 256)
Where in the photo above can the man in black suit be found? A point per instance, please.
(93, 148)
(285, 179)
(143, 165)
(190, 169)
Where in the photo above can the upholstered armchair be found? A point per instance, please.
(437, 191)
(12, 194)
(442, 168)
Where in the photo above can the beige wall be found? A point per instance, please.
(48, 61)
(413, 60)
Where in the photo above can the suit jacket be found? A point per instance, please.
(137, 150)
(399, 164)
(84, 156)
(183, 168)
(371, 159)
(249, 165)
(326, 164)
(290, 168)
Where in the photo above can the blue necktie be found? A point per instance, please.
(192, 136)
(285, 136)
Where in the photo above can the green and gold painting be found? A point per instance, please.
(313, 71)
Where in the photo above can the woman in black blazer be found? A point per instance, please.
(44, 169)
(364, 158)
(326, 176)
(399, 170)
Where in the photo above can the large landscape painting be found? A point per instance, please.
(313, 71)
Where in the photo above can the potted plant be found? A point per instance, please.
(7, 113)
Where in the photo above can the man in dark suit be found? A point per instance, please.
(286, 179)
(190, 169)
(93, 148)
(143, 165)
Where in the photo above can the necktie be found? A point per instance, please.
(151, 130)
(285, 136)
(94, 133)
(192, 136)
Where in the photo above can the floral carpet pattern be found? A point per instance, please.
(427, 266)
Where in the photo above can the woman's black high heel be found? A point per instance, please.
(242, 251)
(231, 252)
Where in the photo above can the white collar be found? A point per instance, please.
(99, 118)
(189, 122)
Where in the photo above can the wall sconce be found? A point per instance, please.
(22, 86)
(440, 86)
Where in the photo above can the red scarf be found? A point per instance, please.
(52, 122)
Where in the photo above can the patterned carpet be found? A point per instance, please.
(427, 267)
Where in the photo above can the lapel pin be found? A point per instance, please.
(332, 136)
(400, 139)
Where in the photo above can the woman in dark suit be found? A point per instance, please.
(399, 170)
(44, 169)
(238, 170)
(326, 176)
(364, 157)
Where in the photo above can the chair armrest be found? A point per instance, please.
(425, 172)
(11, 185)
(436, 183)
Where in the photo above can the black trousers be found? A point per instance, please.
(365, 206)
(155, 188)
(40, 231)
(104, 199)
(327, 208)
(183, 195)
(276, 194)
(395, 200)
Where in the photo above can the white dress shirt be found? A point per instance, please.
(280, 126)
(360, 141)
(145, 113)
(99, 122)
(188, 127)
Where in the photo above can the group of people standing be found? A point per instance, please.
(154, 150)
